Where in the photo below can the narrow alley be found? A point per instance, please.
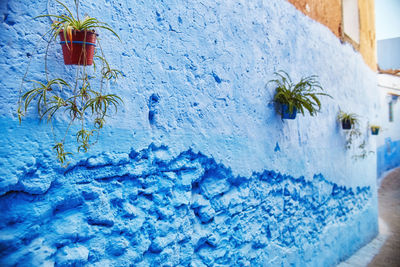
(389, 211)
(384, 250)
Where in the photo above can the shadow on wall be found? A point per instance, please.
(151, 208)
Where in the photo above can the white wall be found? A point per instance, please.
(388, 141)
(389, 85)
(351, 19)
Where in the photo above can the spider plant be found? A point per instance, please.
(68, 23)
(348, 120)
(356, 142)
(101, 103)
(108, 72)
(41, 92)
(74, 97)
(82, 138)
(301, 96)
(61, 154)
(355, 139)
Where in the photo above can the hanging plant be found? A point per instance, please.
(348, 120)
(355, 140)
(291, 97)
(77, 37)
(85, 102)
(375, 129)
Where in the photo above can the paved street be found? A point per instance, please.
(389, 211)
(384, 250)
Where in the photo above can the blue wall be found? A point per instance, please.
(213, 156)
(150, 208)
(388, 156)
(388, 140)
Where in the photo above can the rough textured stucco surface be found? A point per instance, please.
(147, 208)
(194, 81)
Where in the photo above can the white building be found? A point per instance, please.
(388, 140)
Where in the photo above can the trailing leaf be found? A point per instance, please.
(100, 104)
(61, 154)
(83, 138)
(41, 92)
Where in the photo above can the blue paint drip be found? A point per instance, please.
(216, 78)
(153, 100)
(277, 148)
(158, 16)
(151, 117)
(152, 104)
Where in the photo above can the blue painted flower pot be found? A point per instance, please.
(375, 130)
(346, 124)
(286, 113)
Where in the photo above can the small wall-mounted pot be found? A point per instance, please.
(375, 130)
(346, 124)
(80, 49)
(286, 113)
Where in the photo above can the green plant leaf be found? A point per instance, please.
(302, 95)
(61, 154)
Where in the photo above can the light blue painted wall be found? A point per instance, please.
(388, 140)
(208, 63)
(388, 156)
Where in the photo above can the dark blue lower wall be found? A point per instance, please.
(148, 208)
(388, 156)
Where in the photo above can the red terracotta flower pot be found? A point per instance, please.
(80, 49)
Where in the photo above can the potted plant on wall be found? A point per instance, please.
(82, 98)
(347, 120)
(375, 129)
(77, 37)
(355, 139)
(291, 97)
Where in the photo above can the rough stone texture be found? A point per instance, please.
(202, 83)
(129, 213)
(194, 77)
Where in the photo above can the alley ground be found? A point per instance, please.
(384, 250)
(389, 211)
